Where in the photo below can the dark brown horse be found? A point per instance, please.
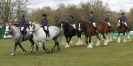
(124, 30)
(89, 31)
(104, 29)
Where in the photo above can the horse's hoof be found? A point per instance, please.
(97, 45)
(24, 52)
(89, 47)
(12, 54)
(124, 41)
(118, 42)
(106, 44)
(77, 44)
(67, 46)
(129, 40)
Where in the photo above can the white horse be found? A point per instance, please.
(18, 37)
(39, 37)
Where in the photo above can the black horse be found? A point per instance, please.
(69, 32)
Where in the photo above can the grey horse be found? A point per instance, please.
(18, 37)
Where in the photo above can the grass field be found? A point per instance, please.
(113, 55)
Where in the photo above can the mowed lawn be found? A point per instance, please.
(116, 54)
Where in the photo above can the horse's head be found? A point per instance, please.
(11, 28)
(31, 27)
(80, 25)
(34, 26)
(64, 24)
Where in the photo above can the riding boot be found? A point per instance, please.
(22, 32)
(109, 28)
(47, 32)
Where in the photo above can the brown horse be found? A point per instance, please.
(123, 29)
(89, 31)
(104, 29)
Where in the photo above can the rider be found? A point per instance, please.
(44, 24)
(91, 19)
(71, 21)
(22, 25)
(107, 20)
(123, 20)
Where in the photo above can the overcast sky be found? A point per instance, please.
(115, 5)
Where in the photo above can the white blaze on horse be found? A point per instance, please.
(40, 38)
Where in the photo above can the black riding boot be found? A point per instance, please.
(47, 32)
(22, 32)
(109, 28)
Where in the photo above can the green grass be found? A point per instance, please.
(113, 55)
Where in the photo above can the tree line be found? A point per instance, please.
(13, 9)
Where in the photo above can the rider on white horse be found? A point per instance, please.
(107, 20)
(22, 25)
(71, 21)
(44, 24)
(123, 20)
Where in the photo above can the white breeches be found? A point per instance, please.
(123, 23)
(94, 24)
(46, 28)
(22, 28)
(108, 23)
(118, 23)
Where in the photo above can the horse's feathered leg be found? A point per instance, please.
(14, 49)
(98, 43)
(128, 37)
(90, 44)
(67, 40)
(44, 48)
(56, 45)
(103, 36)
(37, 52)
(53, 49)
(86, 39)
(80, 42)
(118, 37)
(107, 37)
(24, 51)
(32, 44)
(124, 37)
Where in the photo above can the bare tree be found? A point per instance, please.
(11, 8)
(20, 8)
(6, 9)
